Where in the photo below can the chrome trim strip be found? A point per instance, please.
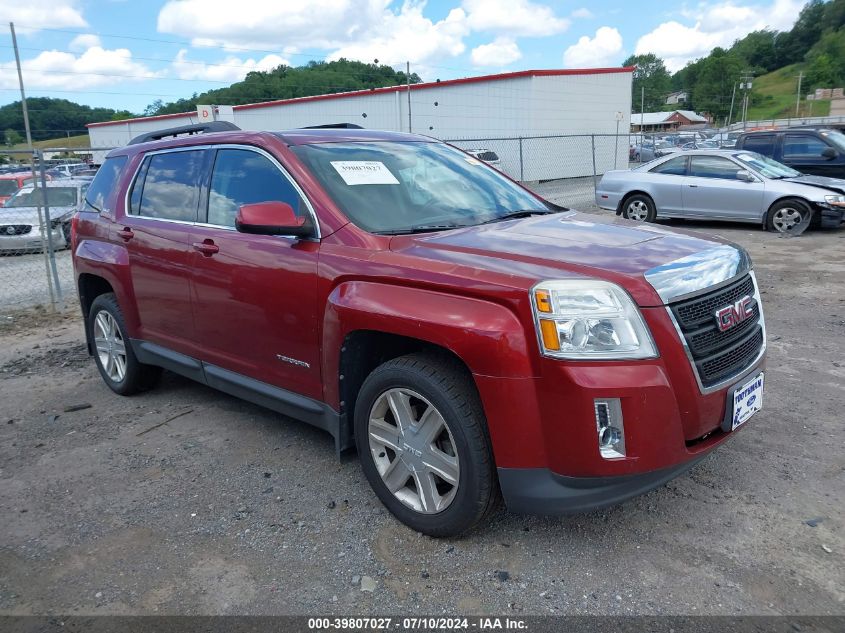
(252, 148)
(702, 271)
(736, 375)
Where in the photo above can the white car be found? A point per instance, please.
(488, 156)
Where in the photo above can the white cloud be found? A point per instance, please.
(230, 69)
(582, 14)
(605, 49)
(714, 24)
(513, 17)
(410, 36)
(60, 70)
(31, 15)
(271, 25)
(84, 42)
(500, 52)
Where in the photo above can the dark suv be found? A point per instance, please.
(469, 338)
(816, 151)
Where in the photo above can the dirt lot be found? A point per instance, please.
(187, 501)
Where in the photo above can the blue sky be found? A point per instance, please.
(126, 54)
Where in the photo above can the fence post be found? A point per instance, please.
(521, 164)
(51, 251)
(593, 142)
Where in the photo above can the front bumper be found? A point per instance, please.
(541, 491)
(830, 217)
(544, 433)
(31, 242)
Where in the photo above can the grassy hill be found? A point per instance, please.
(73, 141)
(774, 96)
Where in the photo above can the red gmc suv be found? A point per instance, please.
(469, 338)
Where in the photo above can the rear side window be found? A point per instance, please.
(245, 177)
(102, 192)
(803, 146)
(675, 167)
(762, 144)
(167, 186)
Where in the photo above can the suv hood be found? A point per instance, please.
(571, 244)
(833, 184)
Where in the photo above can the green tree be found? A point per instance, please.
(714, 82)
(652, 77)
(822, 73)
(793, 45)
(12, 137)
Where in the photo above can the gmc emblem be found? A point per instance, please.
(735, 314)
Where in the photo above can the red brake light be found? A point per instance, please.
(74, 235)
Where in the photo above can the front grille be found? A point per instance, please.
(14, 229)
(718, 355)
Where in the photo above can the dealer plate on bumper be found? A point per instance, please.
(747, 400)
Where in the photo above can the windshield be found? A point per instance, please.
(766, 166)
(56, 197)
(387, 187)
(836, 137)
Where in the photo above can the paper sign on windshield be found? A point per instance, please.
(364, 172)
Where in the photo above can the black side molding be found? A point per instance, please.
(282, 401)
(199, 128)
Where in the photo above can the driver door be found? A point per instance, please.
(712, 190)
(254, 297)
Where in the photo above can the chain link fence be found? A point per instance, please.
(35, 264)
(39, 195)
(569, 166)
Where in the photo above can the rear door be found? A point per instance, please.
(712, 190)
(156, 229)
(765, 144)
(255, 296)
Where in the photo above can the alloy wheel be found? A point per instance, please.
(638, 210)
(111, 348)
(413, 450)
(786, 219)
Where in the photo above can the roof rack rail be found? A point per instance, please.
(344, 126)
(200, 128)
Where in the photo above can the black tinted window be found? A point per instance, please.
(170, 187)
(245, 177)
(676, 166)
(713, 167)
(803, 146)
(101, 192)
(762, 144)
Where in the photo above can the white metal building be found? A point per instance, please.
(528, 103)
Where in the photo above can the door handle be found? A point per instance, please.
(126, 234)
(693, 186)
(206, 247)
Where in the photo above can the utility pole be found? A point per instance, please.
(798, 100)
(745, 85)
(44, 227)
(408, 78)
(731, 113)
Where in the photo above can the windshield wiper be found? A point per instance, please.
(422, 228)
(520, 213)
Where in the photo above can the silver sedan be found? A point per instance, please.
(727, 185)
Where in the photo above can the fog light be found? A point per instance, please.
(611, 429)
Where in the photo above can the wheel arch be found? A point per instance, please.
(634, 192)
(786, 198)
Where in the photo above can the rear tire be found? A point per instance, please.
(113, 352)
(429, 463)
(639, 208)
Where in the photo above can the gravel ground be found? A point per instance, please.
(186, 501)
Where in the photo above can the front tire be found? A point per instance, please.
(113, 353)
(639, 208)
(423, 444)
(788, 216)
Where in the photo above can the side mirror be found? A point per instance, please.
(745, 176)
(271, 218)
(829, 153)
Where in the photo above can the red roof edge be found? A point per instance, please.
(555, 72)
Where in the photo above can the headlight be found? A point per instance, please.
(589, 319)
(835, 201)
